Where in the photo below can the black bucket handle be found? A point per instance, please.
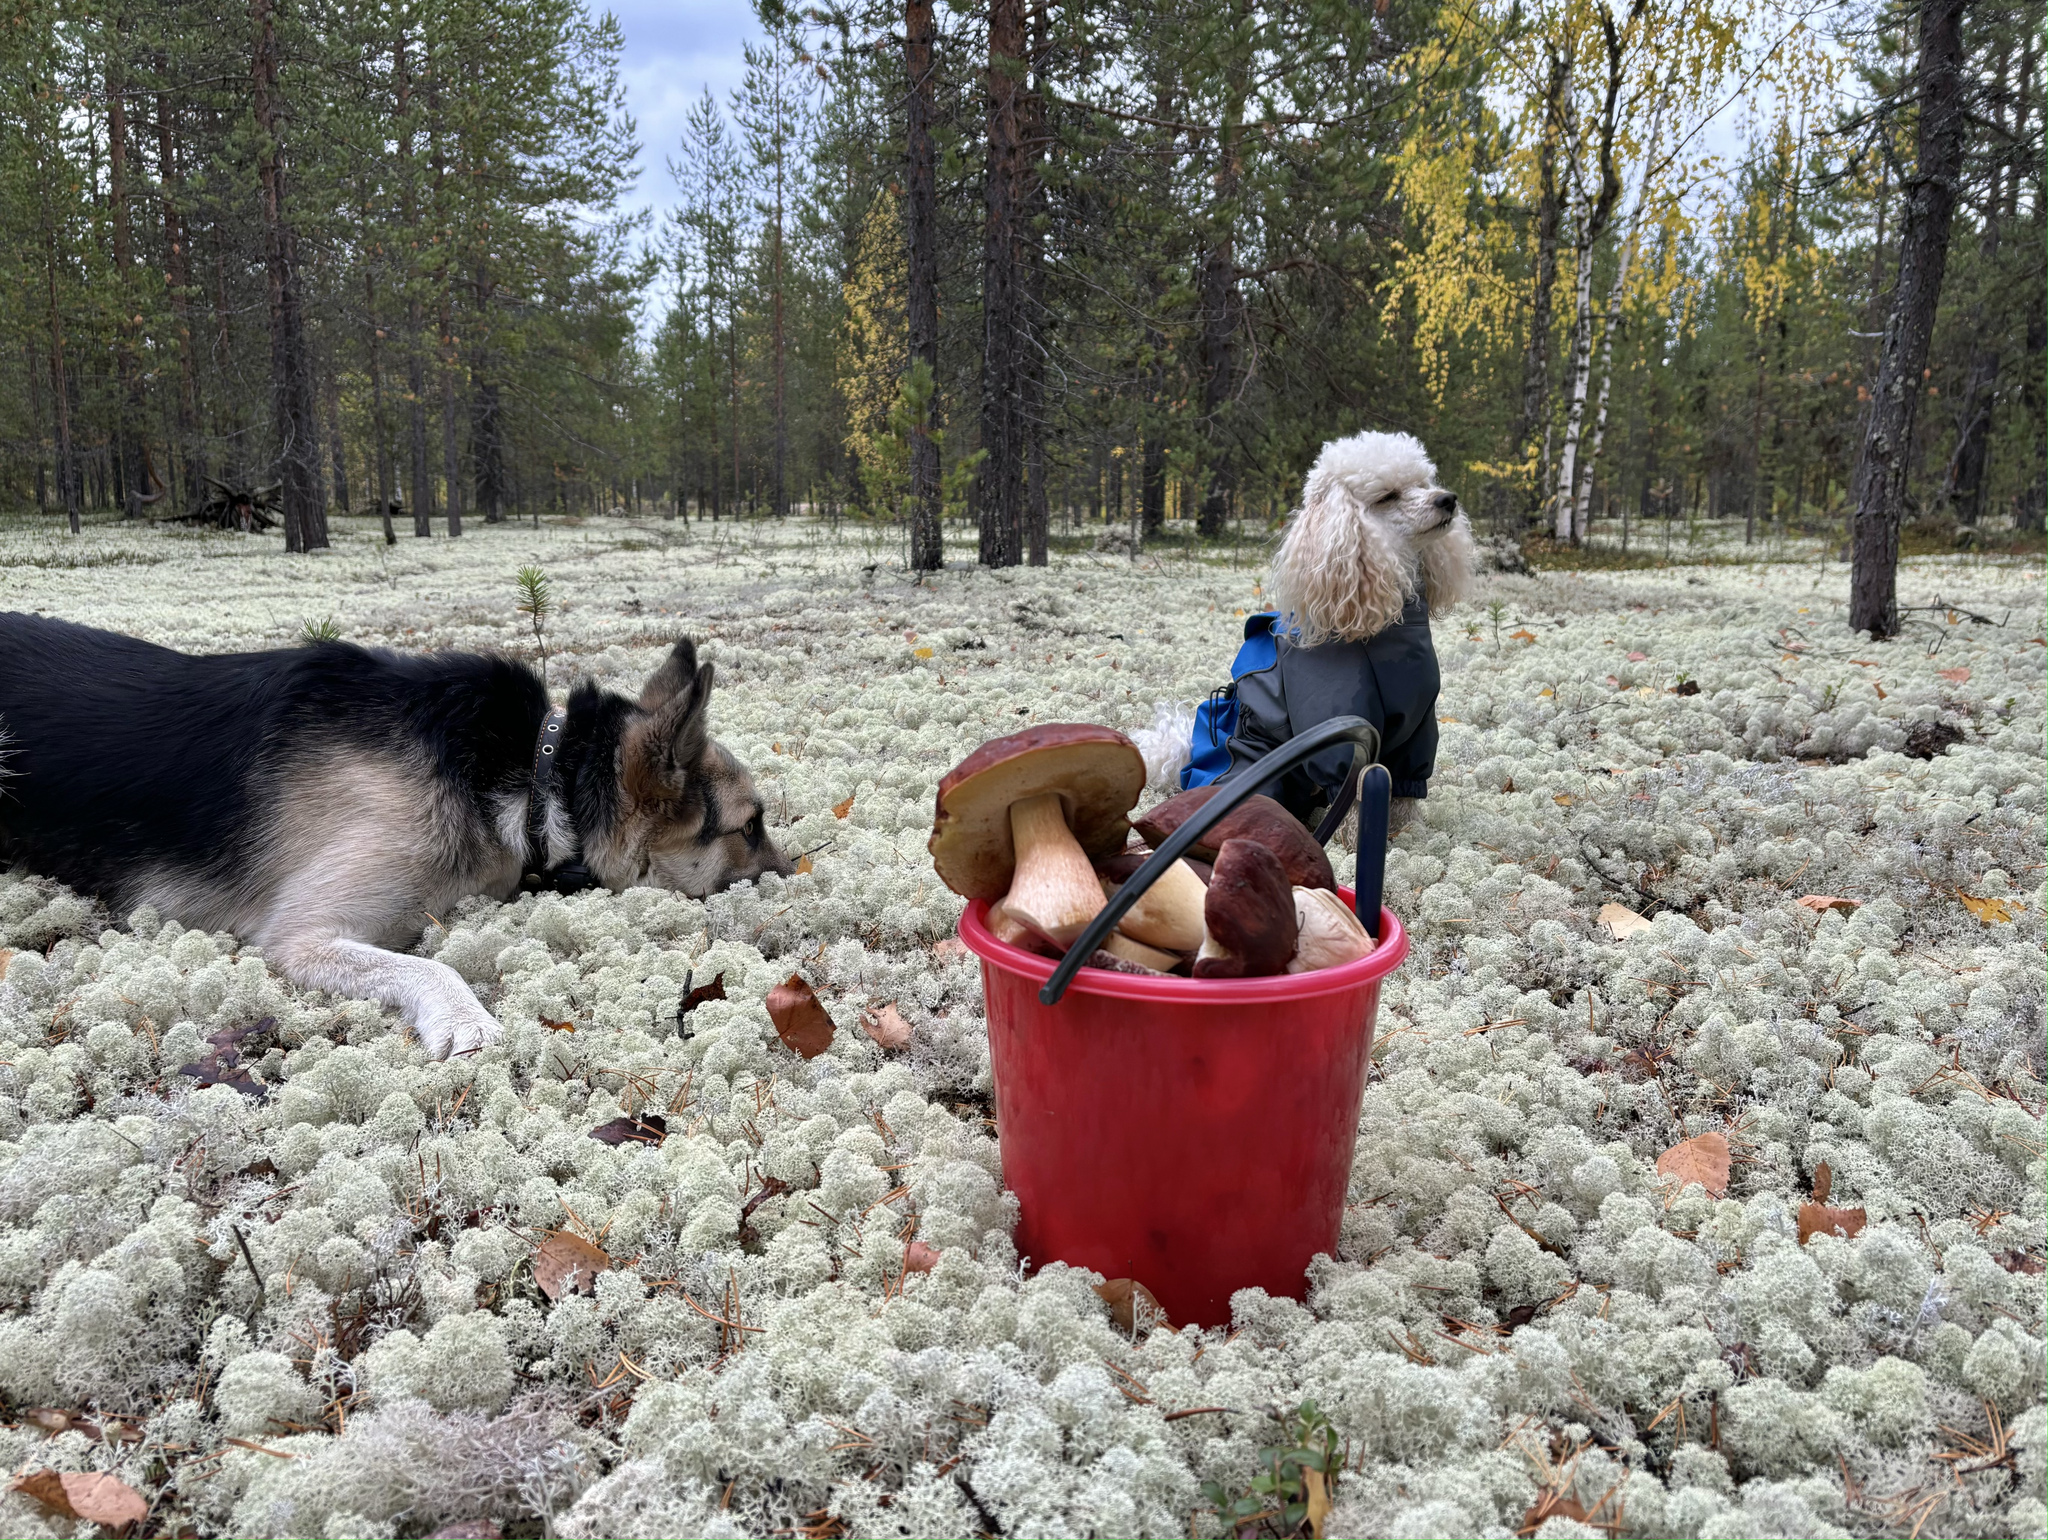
(1374, 788)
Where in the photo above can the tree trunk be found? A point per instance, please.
(2033, 409)
(337, 454)
(1033, 120)
(777, 346)
(1001, 483)
(1592, 225)
(1218, 290)
(191, 452)
(1929, 206)
(67, 465)
(380, 427)
(132, 410)
(1535, 408)
(1612, 328)
(291, 380)
(921, 212)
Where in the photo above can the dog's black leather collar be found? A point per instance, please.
(572, 875)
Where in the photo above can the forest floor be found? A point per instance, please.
(314, 1305)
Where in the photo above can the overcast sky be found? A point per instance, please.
(674, 48)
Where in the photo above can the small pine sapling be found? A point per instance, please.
(322, 630)
(537, 604)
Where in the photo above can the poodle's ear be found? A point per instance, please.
(1449, 565)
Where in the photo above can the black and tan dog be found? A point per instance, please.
(322, 802)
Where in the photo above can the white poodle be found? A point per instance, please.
(1374, 549)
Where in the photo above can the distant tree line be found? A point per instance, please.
(1024, 264)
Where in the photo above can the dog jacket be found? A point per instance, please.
(1278, 689)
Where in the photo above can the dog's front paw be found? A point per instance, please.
(455, 1026)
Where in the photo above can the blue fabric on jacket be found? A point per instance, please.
(1280, 689)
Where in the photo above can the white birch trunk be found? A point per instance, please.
(1583, 516)
(1565, 499)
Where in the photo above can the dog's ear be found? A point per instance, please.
(665, 745)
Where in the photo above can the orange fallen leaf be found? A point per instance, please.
(887, 1026)
(1864, 662)
(775, 748)
(558, 1026)
(1819, 1219)
(803, 865)
(1564, 799)
(922, 652)
(1823, 1182)
(800, 1021)
(1992, 911)
(1954, 675)
(841, 809)
(1704, 1160)
(568, 1264)
(1551, 1505)
(1880, 690)
(1131, 1304)
(1523, 636)
(1821, 903)
(1621, 921)
(98, 1499)
(6, 957)
(920, 1258)
(952, 946)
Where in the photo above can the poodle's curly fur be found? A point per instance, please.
(1373, 526)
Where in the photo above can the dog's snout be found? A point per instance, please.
(1447, 501)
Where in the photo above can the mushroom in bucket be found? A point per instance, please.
(1037, 824)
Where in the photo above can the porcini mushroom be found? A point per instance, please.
(1257, 818)
(1330, 934)
(1024, 817)
(1248, 915)
(1168, 914)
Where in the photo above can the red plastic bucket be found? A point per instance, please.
(1194, 1135)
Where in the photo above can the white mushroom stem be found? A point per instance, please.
(1168, 914)
(1055, 890)
(1117, 944)
(1330, 934)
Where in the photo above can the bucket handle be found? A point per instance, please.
(1374, 788)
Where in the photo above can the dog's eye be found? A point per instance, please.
(753, 831)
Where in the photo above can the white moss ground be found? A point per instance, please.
(1670, 1364)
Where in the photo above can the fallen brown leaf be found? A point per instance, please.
(803, 865)
(1823, 1182)
(98, 1499)
(1522, 636)
(1954, 675)
(952, 946)
(715, 990)
(1131, 1304)
(841, 809)
(2020, 1262)
(649, 1128)
(1821, 903)
(558, 1026)
(1621, 921)
(1703, 1160)
(887, 1026)
(1564, 799)
(1638, 657)
(1551, 1505)
(920, 1258)
(6, 957)
(568, 1264)
(1819, 1219)
(1992, 911)
(800, 1021)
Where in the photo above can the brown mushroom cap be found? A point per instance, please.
(1257, 818)
(1249, 914)
(1097, 771)
(1330, 933)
